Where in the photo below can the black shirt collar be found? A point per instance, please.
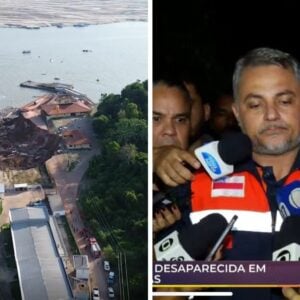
(251, 166)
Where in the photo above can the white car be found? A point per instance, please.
(96, 294)
(111, 277)
(111, 293)
(106, 265)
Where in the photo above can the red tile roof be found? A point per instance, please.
(75, 137)
(62, 109)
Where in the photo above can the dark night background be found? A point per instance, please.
(205, 37)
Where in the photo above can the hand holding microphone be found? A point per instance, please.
(165, 217)
(196, 242)
(290, 293)
(171, 165)
(219, 157)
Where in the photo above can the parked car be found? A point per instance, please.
(111, 278)
(95, 248)
(96, 294)
(111, 293)
(106, 265)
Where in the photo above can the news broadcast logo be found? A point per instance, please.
(288, 199)
(212, 162)
(170, 249)
(289, 253)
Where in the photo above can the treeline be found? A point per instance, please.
(115, 203)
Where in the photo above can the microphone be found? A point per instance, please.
(288, 199)
(287, 240)
(219, 157)
(192, 242)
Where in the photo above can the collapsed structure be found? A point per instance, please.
(26, 140)
(23, 145)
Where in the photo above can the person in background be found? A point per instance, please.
(171, 114)
(174, 165)
(266, 86)
(200, 113)
(222, 119)
(171, 130)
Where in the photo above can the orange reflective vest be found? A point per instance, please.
(242, 194)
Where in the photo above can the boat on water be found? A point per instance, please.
(26, 51)
(81, 25)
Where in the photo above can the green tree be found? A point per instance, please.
(101, 124)
(132, 111)
(137, 93)
(115, 204)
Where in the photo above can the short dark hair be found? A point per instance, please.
(264, 57)
(173, 84)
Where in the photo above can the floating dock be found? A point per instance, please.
(52, 87)
(56, 87)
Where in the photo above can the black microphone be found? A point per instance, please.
(287, 240)
(219, 157)
(192, 242)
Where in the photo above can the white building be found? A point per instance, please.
(56, 205)
(40, 268)
(21, 187)
(2, 190)
(81, 266)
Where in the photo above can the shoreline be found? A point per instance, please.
(32, 14)
(63, 25)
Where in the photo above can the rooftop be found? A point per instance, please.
(40, 269)
(80, 261)
(75, 137)
(65, 108)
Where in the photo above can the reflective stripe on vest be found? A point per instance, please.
(251, 206)
(247, 220)
(204, 198)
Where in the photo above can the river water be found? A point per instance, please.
(116, 56)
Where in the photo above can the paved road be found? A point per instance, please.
(67, 184)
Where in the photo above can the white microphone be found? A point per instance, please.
(170, 249)
(219, 157)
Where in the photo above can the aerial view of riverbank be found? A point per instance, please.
(34, 14)
(60, 60)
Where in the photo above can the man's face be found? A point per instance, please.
(268, 109)
(171, 122)
(222, 118)
(197, 110)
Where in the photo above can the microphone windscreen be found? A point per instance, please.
(198, 239)
(289, 232)
(235, 147)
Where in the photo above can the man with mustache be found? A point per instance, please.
(171, 130)
(266, 86)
